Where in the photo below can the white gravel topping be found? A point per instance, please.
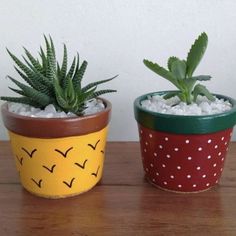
(175, 107)
(92, 106)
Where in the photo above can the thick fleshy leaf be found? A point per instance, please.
(202, 90)
(23, 100)
(171, 94)
(170, 61)
(202, 77)
(91, 85)
(196, 53)
(161, 71)
(178, 68)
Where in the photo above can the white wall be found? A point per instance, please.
(114, 36)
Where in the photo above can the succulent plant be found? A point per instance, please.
(48, 82)
(180, 73)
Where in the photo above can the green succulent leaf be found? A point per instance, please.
(79, 75)
(171, 94)
(178, 68)
(22, 100)
(170, 62)
(64, 64)
(196, 53)
(202, 77)
(202, 90)
(161, 71)
(101, 92)
(91, 85)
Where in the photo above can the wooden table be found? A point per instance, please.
(122, 204)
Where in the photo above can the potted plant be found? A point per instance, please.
(58, 135)
(184, 134)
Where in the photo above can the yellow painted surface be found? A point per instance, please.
(59, 167)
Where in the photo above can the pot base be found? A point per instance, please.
(175, 191)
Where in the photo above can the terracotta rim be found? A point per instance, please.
(56, 127)
(184, 124)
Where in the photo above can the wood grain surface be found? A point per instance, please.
(122, 204)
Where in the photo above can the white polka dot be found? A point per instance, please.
(176, 149)
(216, 181)
(222, 159)
(146, 143)
(219, 154)
(204, 176)
(214, 174)
(221, 169)
(179, 186)
(179, 167)
(187, 141)
(222, 138)
(209, 157)
(194, 185)
(165, 183)
(151, 165)
(189, 158)
(216, 146)
(209, 141)
(214, 165)
(172, 177)
(145, 150)
(188, 176)
(199, 149)
(155, 154)
(147, 169)
(207, 184)
(168, 156)
(227, 149)
(153, 180)
(150, 135)
(163, 165)
(141, 131)
(226, 143)
(166, 138)
(157, 173)
(160, 146)
(198, 168)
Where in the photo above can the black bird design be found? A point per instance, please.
(50, 169)
(94, 146)
(37, 183)
(96, 174)
(30, 154)
(20, 160)
(69, 184)
(81, 166)
(62, 153)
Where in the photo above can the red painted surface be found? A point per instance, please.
(185, 163)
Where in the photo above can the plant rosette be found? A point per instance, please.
(183, 153)
(58, 157)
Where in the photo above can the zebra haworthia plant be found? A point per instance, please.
(180, 73)
(48, 82)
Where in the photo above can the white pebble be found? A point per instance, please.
(174, 106)
(92, 106)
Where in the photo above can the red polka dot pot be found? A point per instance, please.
(184, 153)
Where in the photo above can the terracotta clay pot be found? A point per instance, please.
(58, 157)
(184, 153)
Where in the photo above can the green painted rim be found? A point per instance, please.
(184, 124)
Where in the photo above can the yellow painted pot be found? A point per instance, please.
(61, 157)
